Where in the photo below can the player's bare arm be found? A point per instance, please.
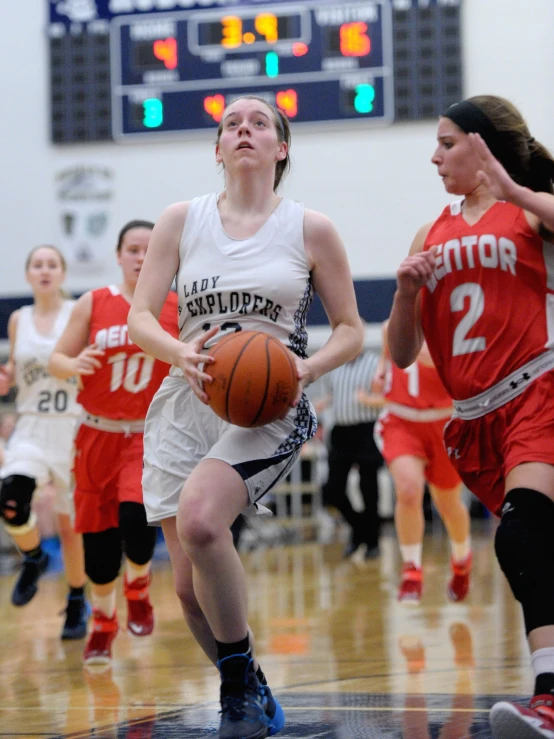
(404, 332)
(161, 264)
(7, 371)
(332, 281)
(72, 354)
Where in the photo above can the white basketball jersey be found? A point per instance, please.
(37, 391)
(261, 283)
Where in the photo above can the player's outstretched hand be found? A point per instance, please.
(491, 173)
(87, 362)
(414, 272)
(190, 359)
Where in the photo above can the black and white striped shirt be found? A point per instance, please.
(343, 384)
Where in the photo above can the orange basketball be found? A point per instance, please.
(254, 378)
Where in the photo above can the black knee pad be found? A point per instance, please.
(102, 556)
(15, 498)
(139, 539)
(525, 550)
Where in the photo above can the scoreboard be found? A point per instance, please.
(137, 69)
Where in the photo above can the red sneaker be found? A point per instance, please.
(140, 614)
(411, 585)
(98, 650)
(511, 721)
(458, 587)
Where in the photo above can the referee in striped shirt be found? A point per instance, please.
(351, 442)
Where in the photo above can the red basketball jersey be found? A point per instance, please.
(418, 386)
(123, 387)
(486, 311)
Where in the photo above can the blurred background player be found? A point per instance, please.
(410, 436)
(351, 442)
(39, 449)
(118, 382)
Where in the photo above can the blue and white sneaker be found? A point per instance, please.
(243, 704)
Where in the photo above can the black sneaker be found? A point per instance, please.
(76, 617)
(26, 585)
(243, 714)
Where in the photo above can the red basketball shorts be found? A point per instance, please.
(484, 450)
(108, 471)
(398, 437)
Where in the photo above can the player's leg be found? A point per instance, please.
(369, 488)
(76, 612)
(97, 518)
(211, 499)
(103, 554)
(21, 524)
(25, 469)
(139, 541)
(407, 473)
(334, 494)
(526, 555)
(446, 490)
(455, 516)
(77, 609)
(181, 567)
(138, 538)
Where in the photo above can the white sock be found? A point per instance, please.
(460, 549)
(104, 603)
(543, 661)
(134, 571)
(412, 553)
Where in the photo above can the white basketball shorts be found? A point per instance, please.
(181, 431)
(42, 448)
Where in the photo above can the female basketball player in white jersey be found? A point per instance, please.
(39, 449)
(478, 286)
(251, 258)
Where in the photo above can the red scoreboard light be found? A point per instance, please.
(354, 40)
(166, 51)
(287, 101)
(299, 49)
(214, 105)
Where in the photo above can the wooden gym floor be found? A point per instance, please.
(344, 659)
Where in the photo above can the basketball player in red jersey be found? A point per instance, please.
(410, 435)
(478, 285)
(118, 383)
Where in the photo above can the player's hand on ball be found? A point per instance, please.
(305, 378)
(191, 357)
(414, 272)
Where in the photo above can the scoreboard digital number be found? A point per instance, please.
(126, 69)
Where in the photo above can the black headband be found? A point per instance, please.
(471, 119)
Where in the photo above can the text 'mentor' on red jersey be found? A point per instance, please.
(487, 309)
(123, 387)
